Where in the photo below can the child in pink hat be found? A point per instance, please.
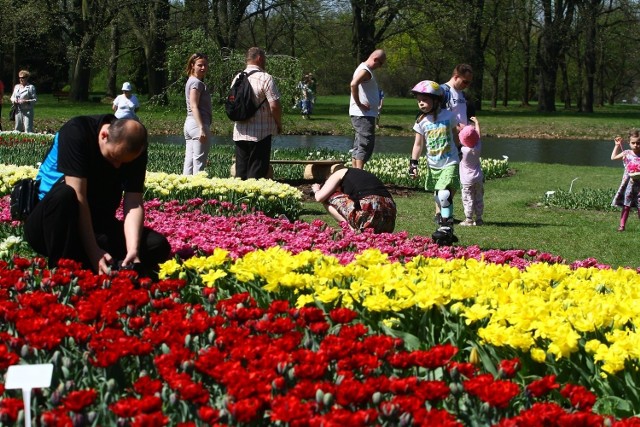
(471, 176)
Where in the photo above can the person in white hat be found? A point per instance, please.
(126, 105)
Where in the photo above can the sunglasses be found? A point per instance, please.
(22, 78)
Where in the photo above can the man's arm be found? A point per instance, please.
(276, 112)
(100, 260)
(133, 207)
(362, 76)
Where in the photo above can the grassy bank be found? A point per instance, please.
(516, 218)
(330, 118)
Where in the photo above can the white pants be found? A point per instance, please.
(473, 200)
(196, 152)
(24, 120)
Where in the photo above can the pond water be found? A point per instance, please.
(562, 151)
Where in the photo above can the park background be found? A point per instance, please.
(524, 52)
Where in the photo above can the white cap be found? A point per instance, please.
(126, 86)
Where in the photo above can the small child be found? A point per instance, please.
(471, 175)
(437, 130)
(628, 195)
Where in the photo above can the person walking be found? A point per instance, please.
(363, 107)
(436, 129)
(197, 125)
(24, 97)
(126, 105)
(252, 137)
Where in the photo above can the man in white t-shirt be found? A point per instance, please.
(454, 98)
(363, 107)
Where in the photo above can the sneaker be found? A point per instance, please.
(467, 222)
(479, 222)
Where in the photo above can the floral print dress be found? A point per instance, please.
(629, 190)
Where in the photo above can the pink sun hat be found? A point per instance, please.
(468, 136)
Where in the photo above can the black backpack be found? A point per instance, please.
(239, 104)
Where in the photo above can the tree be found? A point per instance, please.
(84, 21)
(227, 17)
(557, 17)
(376, 20)
(149, 22)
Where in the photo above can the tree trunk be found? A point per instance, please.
(505, 89)
(82, 70)
(558, 16)
(113, 61)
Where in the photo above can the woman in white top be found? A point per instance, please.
(197, 125)
(24, 97)
(126, 104)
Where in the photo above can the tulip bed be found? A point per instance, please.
(263, 321)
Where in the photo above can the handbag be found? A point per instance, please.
(24, 198)
(12, 112)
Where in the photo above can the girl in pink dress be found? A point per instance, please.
(628, 195)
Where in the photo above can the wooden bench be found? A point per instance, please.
(60, 95)
(313, 170)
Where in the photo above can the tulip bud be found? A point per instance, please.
(281, 368)
(376, 398)
(474, 356)
(291, 374)
(327, 400)
(319, 395)
(24, 351)
(165, 348)
(405, 419)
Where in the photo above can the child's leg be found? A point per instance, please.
(623, 217)
(467, 201)
(479, 201)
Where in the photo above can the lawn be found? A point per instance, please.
(330, 117)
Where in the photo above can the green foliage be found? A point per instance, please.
(587, 199)
(225, 64)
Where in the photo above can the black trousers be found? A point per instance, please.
(52, 231)
(252, 158)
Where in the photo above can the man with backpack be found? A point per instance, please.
(252, 136)
(454, 98)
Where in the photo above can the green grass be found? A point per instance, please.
(514, 214)
(516, 218)
(331, 118)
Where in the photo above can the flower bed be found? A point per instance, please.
(132, 352)
(269, 197)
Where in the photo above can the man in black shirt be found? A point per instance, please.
(94, 164)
